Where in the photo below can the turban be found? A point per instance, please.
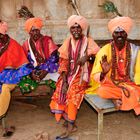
(33, 22)
(123, 22)
(79, 20)
(3, 27)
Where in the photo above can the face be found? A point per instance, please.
(3, 27)
(120, 37)
(35, 34)
(76, 31)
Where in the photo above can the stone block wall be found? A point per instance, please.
(55, 13)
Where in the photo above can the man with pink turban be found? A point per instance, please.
(117, 69)
(13, 66)
(76, 54)
(40, 50)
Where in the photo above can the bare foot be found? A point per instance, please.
(65, 124)
(9, 131)
(70, 129)
(63, 135)
(117, 103)
(74, 129)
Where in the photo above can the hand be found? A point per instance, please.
(64, 88)
(34, 76)
(105, 65)
(65, 83)
(81, 61)
(38, 75)
(42, 74)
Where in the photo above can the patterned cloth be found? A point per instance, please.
(46, 47)
(67, 104)
(51, 65)
(13, 76)
(13, 64)
(48, 51)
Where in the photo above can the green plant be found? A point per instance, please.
(109, 6)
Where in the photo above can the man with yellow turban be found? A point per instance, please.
(40, 50)
(75, 54)
(117, 69)
(13, 66)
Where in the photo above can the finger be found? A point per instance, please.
(110, 64)
(103, 58)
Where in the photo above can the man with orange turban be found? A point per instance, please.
(75, 54)
(13, 66)
(117, 69)
(40, 50)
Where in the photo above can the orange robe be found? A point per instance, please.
(76, 89)
(107, 89)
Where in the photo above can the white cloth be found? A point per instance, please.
(52, 76)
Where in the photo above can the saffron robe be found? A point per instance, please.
(78, 82)
(107, 89)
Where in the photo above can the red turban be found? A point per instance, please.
(3, 27)
(79, 20)
(124, 23)
(33, 22)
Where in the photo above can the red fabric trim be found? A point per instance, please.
(45, 50)
(13, 57)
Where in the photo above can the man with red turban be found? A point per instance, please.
(13, 66)
(117, 69)
(40, 50)
(75, 54)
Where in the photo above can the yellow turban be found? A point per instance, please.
(33, 22)
(79, 20)
(123, 22)
(3, 27)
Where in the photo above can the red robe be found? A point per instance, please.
(47, 47)
(14, 57)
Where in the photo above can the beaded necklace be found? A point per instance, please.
(115, 68)
(70, 57)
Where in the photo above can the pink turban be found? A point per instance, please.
(3, 27)
(33, 22)
(123, 22)
(79, 20)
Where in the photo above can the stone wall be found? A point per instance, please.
(55, 13)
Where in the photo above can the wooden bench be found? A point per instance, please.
(101, 106)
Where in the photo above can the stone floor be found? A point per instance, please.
(33, 121)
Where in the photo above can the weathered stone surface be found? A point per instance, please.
(55, 13)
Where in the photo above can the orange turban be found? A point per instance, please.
(33, 22)
(3, 27)
(79, 20)
(123, 22)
